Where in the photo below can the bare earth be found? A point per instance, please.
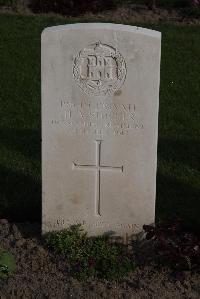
(40, 274)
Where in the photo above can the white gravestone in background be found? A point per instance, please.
(100, 96)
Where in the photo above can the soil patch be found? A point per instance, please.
(41, 274)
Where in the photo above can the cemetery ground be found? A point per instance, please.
(40, 273)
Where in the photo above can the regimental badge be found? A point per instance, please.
(99, 69)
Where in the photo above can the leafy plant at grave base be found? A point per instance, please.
(175, 246)
(90, 256)
(7, 264)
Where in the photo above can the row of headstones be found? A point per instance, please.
(100, 97)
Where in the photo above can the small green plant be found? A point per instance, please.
(90, 256)
(7, 264)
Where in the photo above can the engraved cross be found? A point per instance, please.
(98, 168)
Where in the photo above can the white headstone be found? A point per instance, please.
(100, 97)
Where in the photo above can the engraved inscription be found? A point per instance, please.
(98, 118)
(99, 69)
(101, 226)
(97, 168)
(97, 224)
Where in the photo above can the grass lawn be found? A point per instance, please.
(178, 179)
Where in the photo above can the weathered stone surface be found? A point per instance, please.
(100, 97)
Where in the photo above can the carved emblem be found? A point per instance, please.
(99, 69)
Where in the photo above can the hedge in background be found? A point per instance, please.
(78, 7)
(71, 7)
(161, 3)
(8, 2)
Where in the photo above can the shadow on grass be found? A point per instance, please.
(20, 197)
(20, 193)
(187, 153)
(25, 141)
(177, 199)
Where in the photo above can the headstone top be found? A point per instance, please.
(104, 26)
